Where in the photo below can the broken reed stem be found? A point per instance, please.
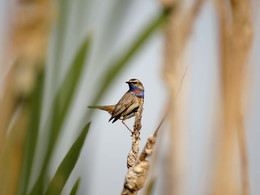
(138, 166)
(148, 148)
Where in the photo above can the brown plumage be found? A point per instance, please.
(127, 105)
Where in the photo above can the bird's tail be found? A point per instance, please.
(109, 109)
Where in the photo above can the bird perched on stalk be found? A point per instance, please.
(127, 105)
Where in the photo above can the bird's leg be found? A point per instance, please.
(127, 126)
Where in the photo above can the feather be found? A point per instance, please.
(109, 108)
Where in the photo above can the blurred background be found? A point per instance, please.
(198, 61)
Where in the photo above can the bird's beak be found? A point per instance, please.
(127, 82)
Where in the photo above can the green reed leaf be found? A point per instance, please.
(116, 67)
(75, 187)
(68, 163)
(61, 104)
(31, 135)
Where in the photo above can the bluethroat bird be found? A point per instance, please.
(127, 105)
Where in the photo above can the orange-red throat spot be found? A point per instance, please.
(136, 91)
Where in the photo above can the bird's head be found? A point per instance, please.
(134, 84)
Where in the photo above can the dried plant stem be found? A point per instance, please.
(25, 50)
(236, 38)
(138, 166)
(148, 148)
(151, 179)
(243, 157)
(177, 32)
(134, 179)
(133, 154)
(11, 156)
(242, 40)
(8, 105)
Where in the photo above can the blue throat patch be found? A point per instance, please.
(136, 91)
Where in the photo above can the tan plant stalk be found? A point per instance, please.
(137, 172)
(29, 27)
(236, 35)
(134, 152)
(12, 153)
(151, 179)
(177, 32)
(138, 166)
(25, 50)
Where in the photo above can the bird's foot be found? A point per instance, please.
(128, 127)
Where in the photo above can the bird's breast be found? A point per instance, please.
(138, 93)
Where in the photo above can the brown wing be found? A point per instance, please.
(124, 103)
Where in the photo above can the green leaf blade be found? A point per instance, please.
(62, 174)
(31, 135)
(61, 104)
(67, 89)
(74, 189)
(122, 61)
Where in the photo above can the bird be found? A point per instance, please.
(128, 105)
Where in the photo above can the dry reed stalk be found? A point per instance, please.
(28, 34)
(139, 166)
(26, 48)
(137, 172)
(177, 32)
(154, 162)
(151, 179)
(236, 35)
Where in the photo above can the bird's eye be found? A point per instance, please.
(134, 82)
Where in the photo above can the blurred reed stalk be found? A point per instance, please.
(236, 36)
(25, 49)
(177, 32)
